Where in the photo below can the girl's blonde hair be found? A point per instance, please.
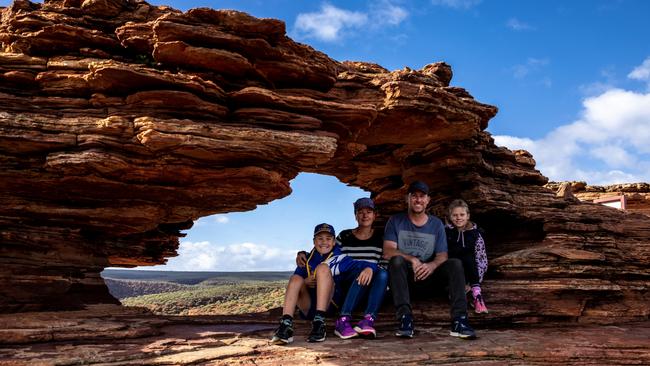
(455, 204)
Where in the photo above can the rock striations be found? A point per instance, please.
(122, 122)
(117, 337)
(637, 195)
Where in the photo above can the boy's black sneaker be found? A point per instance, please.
(460, 328)
(405, 326)
(317, 333)
(284, 333)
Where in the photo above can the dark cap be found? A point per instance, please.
(364, 202)
(418, 185)
(324, 228)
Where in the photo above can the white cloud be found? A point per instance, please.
(518, 25)
(329, 23)
(332, 23)
(456, 4)
(607, 144)
(206, 256)
(532, 65)
(221, 219)
(614, 156)
(515, 143)
(641, 72)
(595, 88)
(387, 13)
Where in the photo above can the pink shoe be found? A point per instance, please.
(366, 326)
(479, 305)
(343, 328)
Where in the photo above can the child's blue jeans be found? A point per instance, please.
(375, 291)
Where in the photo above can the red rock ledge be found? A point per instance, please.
(123, 122)
(110, 335)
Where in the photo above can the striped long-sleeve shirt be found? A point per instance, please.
(369, 250)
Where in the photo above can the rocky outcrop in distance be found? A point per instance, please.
(123, 122)
(637, 195)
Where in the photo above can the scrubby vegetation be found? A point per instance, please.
(198, 293)
(132, 288)
(231, 298)
(193, 278)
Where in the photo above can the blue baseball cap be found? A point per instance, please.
(364, 202)
(418, 185)
(324, 228)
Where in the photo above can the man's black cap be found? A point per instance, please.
(418, 185)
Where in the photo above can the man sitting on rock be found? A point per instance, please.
(416, 246)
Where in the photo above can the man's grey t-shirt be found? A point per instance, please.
(421, 242)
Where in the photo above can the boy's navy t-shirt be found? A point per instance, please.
(421, 242)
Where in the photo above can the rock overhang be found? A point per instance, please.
(122, 122)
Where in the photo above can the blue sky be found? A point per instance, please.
(571, 80)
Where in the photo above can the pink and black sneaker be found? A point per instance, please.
(365, 327)
(479, 305)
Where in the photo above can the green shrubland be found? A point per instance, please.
(207, 299)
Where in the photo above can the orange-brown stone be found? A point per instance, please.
(108, 335)
(123, 122)
(637, 195)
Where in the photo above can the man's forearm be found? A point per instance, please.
(392, 252)
(439, 259)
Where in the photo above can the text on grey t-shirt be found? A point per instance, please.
(421, 242)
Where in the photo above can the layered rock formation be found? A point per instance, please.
(123, 122)
(637, 195)
(110, 336)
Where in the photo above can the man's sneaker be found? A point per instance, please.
(479, 305)
(317, 333)
(284, 333)
(405, 326)
(343, 328)
(460, 328)
(366, 327)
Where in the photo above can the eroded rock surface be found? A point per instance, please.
(637, 195)
(123, 122)
(110, 335)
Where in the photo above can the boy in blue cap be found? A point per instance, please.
(312, 287)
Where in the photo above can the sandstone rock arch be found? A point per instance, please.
(122, 122)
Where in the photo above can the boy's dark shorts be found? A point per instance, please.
(332, 310)
(341, 285)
